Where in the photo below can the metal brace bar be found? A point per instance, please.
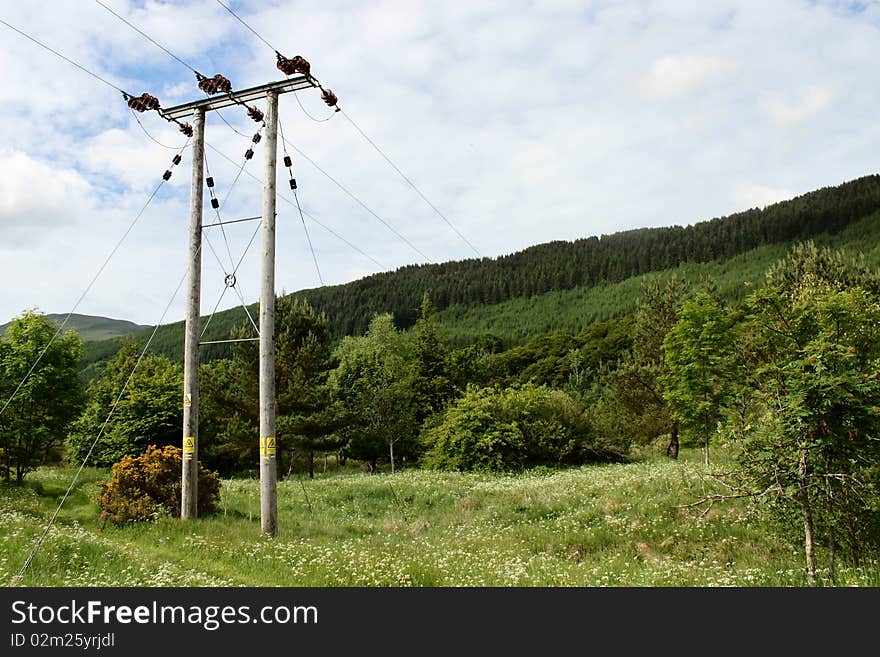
(244, 96)
(226, 223)
(228, 341)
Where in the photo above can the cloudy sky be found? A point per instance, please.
(523, 122)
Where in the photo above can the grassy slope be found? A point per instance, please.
(93, 328)
(591, 526)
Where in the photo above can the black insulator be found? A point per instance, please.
(255, 114)
(329, 97)
(257, 138)
(215, 203)
(176, 159)
(293, 183)
(186, 129)
(166, 175)
(249, 153)
(209, 181)
(287, 161)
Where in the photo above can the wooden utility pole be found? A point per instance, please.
(268, 464)
(189, 488)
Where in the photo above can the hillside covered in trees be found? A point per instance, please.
(568, 285)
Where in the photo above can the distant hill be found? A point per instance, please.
(92, 328)
(565, 286)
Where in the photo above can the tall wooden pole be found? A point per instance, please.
(189, 490)
(268, 465)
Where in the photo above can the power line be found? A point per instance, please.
(311, 218)
(289, 164)
(231, 280)
(98, 437)
(308, 239)
(306, 112)
(67, 59)
(156, 141)
(410, 183)
(219, 221)
(336, 182)
(168, 52)
(229, 125)
(358, 201)
(93, 281)
(240, 20)
(370, 141)
(148, 37)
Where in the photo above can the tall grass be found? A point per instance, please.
(613, 525)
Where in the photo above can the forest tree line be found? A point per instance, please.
(552, 267)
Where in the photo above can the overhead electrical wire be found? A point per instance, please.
(411, 183)
(94, 279)
(219, 221)
(311, 218)
(298, 206)
(147, 37)
(67, 59)
(335, 234)
(230, 275)
(169, 53)
(255, 33)
(151, 137)
(337, 183)
(358, 201)
(308, 114)
(85, 460)
(367, 138)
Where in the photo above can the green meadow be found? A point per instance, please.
(591, 526)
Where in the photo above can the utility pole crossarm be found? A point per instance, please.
(236, 97)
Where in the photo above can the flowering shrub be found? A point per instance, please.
(148, 485)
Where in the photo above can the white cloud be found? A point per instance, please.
(788, 110)
(36, 198)
(677, 76)
(751, 195)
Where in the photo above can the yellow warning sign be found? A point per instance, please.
(267, 446)
(187, 399)
(189, 447)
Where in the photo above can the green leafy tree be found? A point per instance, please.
(305, 423)
(149, 412)
(698, 351)
(626, 394)
(814, 445)
(37, 417)
(432, 385)
(513, 428)
(374, 387)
